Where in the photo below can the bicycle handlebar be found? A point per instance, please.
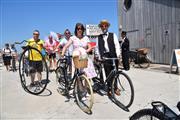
(20, 42)
(105, 58)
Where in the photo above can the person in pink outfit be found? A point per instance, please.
(50, 46)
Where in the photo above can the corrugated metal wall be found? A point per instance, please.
(154, 24)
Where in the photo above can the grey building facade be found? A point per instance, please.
(154, 24)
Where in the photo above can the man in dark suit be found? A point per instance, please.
(125, 50)
(108, 46)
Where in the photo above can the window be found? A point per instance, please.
(127, 4)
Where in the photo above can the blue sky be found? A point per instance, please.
(18, 18)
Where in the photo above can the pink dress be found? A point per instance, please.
(90, 71)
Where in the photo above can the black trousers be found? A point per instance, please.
(125, 60)
(108, 67)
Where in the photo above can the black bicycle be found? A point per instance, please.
(37, 86)
(120, 81)
(139, 57)
(78, 86)
(160, 111)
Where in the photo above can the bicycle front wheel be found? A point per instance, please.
(33, 75)
(122, 83)
(84, 93)
(147, 114)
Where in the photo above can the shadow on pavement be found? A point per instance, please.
(46, 92)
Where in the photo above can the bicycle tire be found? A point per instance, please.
(85, 105)
(58, 62)
(147, 114)
(40, 86)
(121, 79)
(143, 61)
(60, 80)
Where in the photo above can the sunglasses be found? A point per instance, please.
(35, 34)
(104, 25)
(67, 33)
(79, 28)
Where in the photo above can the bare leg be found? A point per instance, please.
(32, 77)
(54, 63)
(50, 61)
(39, 76)
(7, 67)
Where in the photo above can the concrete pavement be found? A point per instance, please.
(149, 84)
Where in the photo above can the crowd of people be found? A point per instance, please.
(9, 56)
(107, 45)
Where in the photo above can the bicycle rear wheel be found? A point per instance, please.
(38, 86)
(143, 61)
(84, 93)
(147, 114)
(123, 84)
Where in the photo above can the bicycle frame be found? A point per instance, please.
(112, 73)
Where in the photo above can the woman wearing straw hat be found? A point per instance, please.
(108, 46)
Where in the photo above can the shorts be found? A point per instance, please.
(7, 60)
(35, 66)
(52, 55)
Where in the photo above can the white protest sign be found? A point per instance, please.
(93, 30)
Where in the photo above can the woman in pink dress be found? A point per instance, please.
(81, 41)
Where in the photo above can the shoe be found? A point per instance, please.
(109, 93)
(117, 92)
(83, 98)
(32, 84)
(87, 95)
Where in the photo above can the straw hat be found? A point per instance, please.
(104, 22)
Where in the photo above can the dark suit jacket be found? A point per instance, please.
(125, 45)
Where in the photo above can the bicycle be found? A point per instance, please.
(24, 71)
(79, 84)
(120, 80)
(160, 111)
(63, 72)
(139, 57)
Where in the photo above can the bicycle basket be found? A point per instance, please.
(143, 50)
(80, 63)
(161, 107)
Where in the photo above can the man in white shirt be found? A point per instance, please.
(108, 46)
